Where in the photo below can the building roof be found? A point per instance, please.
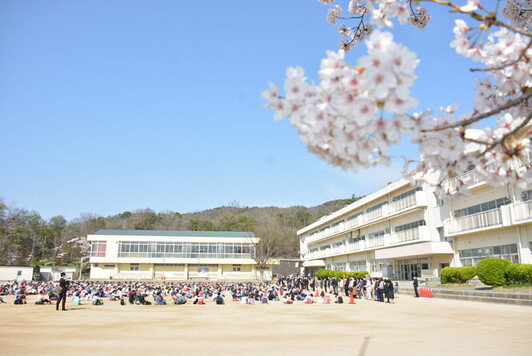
(175, 233)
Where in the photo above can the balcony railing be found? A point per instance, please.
(374, 214)
(523, 211)
(467, 178)
(403, 203)
(475, 221)
(406, 235)
(417, 199)
(375, 241)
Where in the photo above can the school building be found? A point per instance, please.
(401, 231)
(175, 255)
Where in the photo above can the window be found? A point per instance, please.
(338, 266)
(237, 268)
(185, 250)
(133, 266)
(409, 226)
(98, 248)
(378, 206)
(526, 196)
(407, 194)
(357, 266)
(355, 216)
(471, 257)
(490, 205)
(108, 266)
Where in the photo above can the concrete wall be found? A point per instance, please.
(19, 273)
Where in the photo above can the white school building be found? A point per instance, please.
(401, 231)
(175, 255)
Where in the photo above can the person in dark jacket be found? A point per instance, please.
(63, 285)
(388, 291)
(415, 283)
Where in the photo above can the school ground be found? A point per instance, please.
(411, 326)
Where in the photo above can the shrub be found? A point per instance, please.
(467, 273)
(449, 275)
(492, 271)
(519, 273)
(458, 274)
(326, 273)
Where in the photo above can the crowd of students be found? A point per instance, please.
(287, 289)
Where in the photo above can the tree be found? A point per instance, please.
(269, 245)
(356, 113)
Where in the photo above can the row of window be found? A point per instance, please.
(475, 209)
(410, 226)
(471, 257)
(406, 194)
(370, 209)
(378, 233)
(176, 249)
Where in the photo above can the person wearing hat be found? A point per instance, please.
(63, 287)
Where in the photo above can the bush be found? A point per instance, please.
(492, 271)
(458, 274)
(326, 273)
(517, 273)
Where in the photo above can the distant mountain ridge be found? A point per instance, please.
(26, 238)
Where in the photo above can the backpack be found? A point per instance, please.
(122, 302)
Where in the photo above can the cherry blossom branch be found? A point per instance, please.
(504, 137)
(474, 119)
(489, 19)
(504, 65)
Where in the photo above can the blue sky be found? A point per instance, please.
(107, 106)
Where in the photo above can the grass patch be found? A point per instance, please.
(453, 285)
(523, 287)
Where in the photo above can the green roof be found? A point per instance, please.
(175, 233)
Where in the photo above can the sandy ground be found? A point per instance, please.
(411, 326)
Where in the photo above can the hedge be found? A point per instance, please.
(517, 273)
(492, 271)
(326, 273)
(458, 274)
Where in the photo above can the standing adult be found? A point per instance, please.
(334, 283)
(63, 287)
(415, 283)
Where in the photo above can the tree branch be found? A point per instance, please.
(489, 19)
(505, 136)
(482, 116)
(504, 65)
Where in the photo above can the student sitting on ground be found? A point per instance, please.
(180, 300)
(159, 300)
(287, 300)
(42, 299)
(219, 299)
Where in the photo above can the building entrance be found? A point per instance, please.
(408, 269)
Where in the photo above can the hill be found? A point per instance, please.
(26, 238)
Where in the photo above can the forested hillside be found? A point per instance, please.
(26, 238)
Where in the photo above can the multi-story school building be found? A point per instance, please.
(175, 255)
(401, 231)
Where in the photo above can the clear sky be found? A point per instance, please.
(109, 105)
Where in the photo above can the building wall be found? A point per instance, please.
(18, 273)
(111, 266)
(438, 216)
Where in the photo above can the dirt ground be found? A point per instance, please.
(411, 326)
